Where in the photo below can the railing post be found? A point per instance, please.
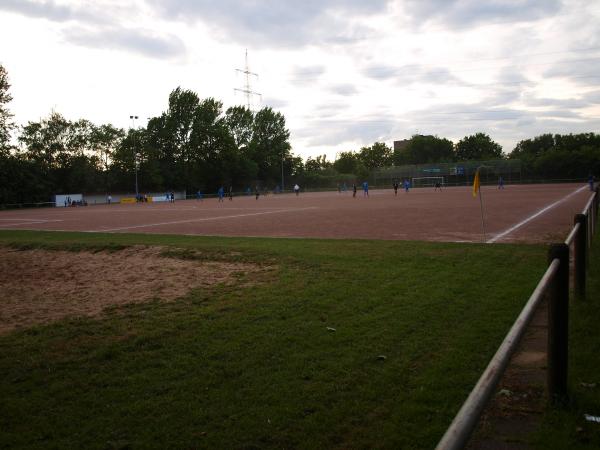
(596, 205)
(580, 259)
(558, 324)
(589, 228)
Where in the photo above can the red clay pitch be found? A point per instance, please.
(421, 214)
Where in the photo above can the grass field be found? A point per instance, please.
(347, 344)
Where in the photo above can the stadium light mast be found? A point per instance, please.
(135, 162)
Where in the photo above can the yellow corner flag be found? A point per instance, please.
(476, 184)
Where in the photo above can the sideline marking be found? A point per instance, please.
(204, 219)
(537, 214)
(21, 222)
(32, 220)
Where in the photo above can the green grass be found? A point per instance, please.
(565, 426)
(255, 366)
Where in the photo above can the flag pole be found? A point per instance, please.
(476, 190)
(482, 220)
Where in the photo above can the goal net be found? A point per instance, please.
(427, 181)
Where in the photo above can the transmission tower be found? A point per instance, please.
(246, 89)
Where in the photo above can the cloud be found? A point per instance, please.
(410, 74)
(274, 22)
(567, 103)
(346, 89)
(508, 87)
(582, 71)
(469, 13)
(96, 25)
(47, 10)
(88, 12)
(143, 42)
(306, 75)
(275, 103)
(592, 97)
(328, 109)
(557, 113)
(335, 131)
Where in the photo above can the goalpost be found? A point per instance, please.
(427, 181)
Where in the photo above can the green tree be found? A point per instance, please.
(105, 139)
(317, 164)
(346, 162)
(533, 148)
(239, 120)
(46, 141)
(424, 149)
(559, 156)
(63, 152)
(160, 148)
(6, 124)
(270, 145)
(378, 155)
(478, 146)
(216, 158)
(349, 163)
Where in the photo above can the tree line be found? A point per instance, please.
(196, 144)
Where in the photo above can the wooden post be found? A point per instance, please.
(580, 259)
(558, 324)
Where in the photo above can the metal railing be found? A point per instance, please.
(555, 286)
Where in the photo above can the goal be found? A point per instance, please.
(427, 181)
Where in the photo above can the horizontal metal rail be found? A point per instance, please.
(571, 237)
(588, 204)
(467, 418)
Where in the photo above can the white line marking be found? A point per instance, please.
(32, 220)
(22, 222)
(205, 219)
(530, 218)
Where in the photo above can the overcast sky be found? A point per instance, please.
(345, 73)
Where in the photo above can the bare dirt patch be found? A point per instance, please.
(41, 286)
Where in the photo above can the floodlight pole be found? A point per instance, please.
(137, 192)
(282, 155)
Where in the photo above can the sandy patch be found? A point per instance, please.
(40, 286)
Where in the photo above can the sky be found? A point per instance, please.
(344, 73)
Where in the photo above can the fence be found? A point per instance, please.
(455, 173)
(555, 286)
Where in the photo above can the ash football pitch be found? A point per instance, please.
(519, 213)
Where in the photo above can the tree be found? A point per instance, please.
(63, 153)
(46, 142)
(317, 164)
(346, 162)
(270, 144)
(559, 156)
(424, 149)
(478, 147)
(6, 124)
(378, 155)
(239, 120)
(105, 139)
(533, 148)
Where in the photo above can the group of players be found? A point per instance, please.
(365, 187)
